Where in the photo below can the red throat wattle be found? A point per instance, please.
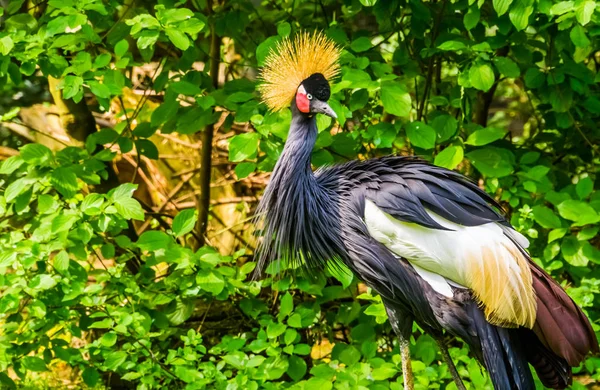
(302, 102)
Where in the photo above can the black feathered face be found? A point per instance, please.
(312, 96)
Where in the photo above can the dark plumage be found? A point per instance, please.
(318, 217)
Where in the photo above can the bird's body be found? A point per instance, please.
(431, 243)
(333, 214)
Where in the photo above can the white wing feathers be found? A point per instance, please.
(482, 258)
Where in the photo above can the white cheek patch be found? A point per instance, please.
(301, 89)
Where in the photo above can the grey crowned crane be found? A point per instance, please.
(429, 241)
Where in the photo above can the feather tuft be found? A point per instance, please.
(291, 62)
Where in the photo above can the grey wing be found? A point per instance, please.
(407, 187)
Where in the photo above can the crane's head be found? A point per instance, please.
(298, 72)
(312, 96)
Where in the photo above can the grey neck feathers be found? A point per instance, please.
(299, 218)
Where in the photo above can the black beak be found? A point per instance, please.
(321, 107)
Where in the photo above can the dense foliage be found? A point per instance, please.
(109, 278)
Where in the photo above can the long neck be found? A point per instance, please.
(294, 163)
(297, 215)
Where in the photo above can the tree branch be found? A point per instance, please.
(207, 136)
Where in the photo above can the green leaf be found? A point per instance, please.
(154, 240)
(284, 29)
(520, 13)
(130, 209)
(186, 88)
(341, 273)
(42, 282)
(572, 252)
(103, 324)
(361, 44)
(98, 89)
(244, 169)
(72, 86)
(11, 164)
(275, 329)
(178, 38)
(395, 98)
(46, 204)
(376, 310)
(108, 251)
(92, 201)
(481, 76)
(6, 45)
(243, 146)
(485, 136)
(421, 135)
(357, 78)
(590, 252)
(507, 67)
(584, 11)
(123, 191)
(350, 355)
(7, 259)
(452, 46)
(538, 172)
(65, 181)
(445, 127)
(90, 376)
(534, 78)
(15, 189)
(287, 305)
(33, 363)
(290, 336)
(63, 222)
(588, 233)
(184, 222)
(145, 147)
(584, 187)
(368, 3)
(492, 162)
(102, 60)
(383, 372)
(449, 157)
(36, 154)
(121, 48)
(471, 18)
(501, 6)
(578, 211)
(61, 261)
(264, 48)
(546, 217)
(108, 339)
(561, 7)
(180, 311)
(302, 349)
(210, 281)
(579, 37)
(556, 234)
(296, 368)
(113, 360)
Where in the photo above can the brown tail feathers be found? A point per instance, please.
(561, 326)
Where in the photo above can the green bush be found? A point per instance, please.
(506, 91)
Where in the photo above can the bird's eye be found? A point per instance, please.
(309, 96)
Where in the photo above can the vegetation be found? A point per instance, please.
(135, 147)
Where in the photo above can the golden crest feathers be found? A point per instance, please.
(291, 62)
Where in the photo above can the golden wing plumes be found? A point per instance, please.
(293, 61)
